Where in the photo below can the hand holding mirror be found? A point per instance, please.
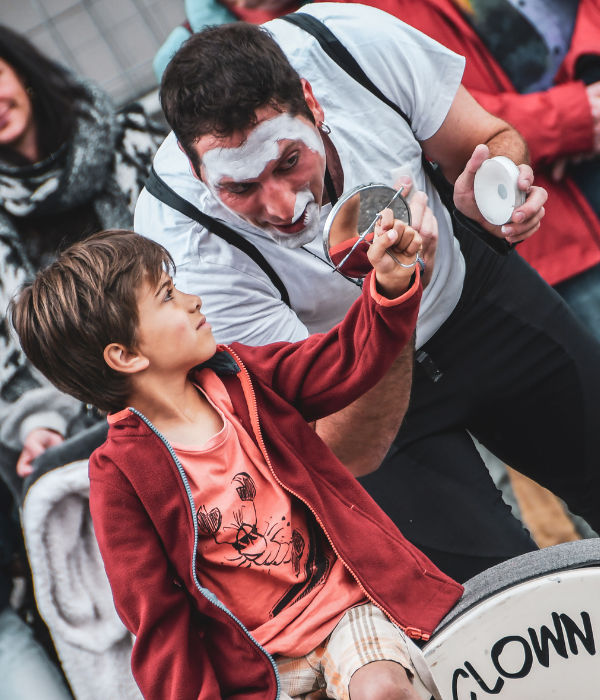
(348, 230)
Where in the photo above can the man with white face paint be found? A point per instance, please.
(498, 354)
(249, 160)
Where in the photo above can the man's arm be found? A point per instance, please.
(361, 434)
(466, 125)
(468, 136)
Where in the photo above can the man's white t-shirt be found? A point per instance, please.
(372, 140)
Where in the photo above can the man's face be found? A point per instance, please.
(270, 175)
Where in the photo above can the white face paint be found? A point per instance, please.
(304, 201)
(311, 225)
(247, 162)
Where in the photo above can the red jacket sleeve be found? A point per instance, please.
(555, 122)
(585, 40)
(328, 371)
(169, 661)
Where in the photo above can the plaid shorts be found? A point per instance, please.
(364, 634)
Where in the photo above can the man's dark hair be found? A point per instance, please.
(219, 78)
(85, 300)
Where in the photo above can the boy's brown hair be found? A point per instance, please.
(86, 299)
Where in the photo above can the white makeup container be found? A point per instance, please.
(496, 191)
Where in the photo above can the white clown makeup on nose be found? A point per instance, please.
(249, 160)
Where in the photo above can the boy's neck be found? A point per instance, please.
(178, 410)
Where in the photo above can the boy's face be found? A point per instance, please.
(172, 333)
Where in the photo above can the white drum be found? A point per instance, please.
(538, 638)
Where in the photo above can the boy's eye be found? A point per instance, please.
(168, 294)
(290, 162)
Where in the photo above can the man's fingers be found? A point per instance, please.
(525, 179)
(418, 208)
(526, 212)
(515, 234)
(481, 153)
(517, 238)
(429, 226)
(403, 181)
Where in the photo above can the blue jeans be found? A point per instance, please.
(26, 672)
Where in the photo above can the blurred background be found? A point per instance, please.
(112, 42)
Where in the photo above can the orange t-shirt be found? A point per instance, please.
(260, 550)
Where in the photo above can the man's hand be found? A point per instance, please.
(403, 242)
(422, 220)
(525, 220)
(38, 441)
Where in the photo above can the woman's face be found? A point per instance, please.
(17, 129)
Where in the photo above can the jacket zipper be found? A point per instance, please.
(413, 632)
(208, 594)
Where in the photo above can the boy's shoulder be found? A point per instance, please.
(126, 441)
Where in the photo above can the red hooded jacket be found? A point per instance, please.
(188, 645)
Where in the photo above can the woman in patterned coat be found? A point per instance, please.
(70, 164)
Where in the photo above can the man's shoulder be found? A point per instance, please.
(340, 12)
(350, 22)
(157, 220)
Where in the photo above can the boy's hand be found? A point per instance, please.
(404, 243)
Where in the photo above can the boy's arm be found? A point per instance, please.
(326, 372)
(169, 658)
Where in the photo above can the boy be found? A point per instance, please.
(242, 555)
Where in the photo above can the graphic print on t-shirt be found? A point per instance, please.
(250, 543)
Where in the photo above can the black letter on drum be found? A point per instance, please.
(566, 631)
(497, 650)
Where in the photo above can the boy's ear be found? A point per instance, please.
(119, 358)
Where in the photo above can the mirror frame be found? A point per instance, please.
(345, 196)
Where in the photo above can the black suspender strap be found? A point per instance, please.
(333, 198)
(159, 189)
(338, 53)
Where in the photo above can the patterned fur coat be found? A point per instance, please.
(103, 167)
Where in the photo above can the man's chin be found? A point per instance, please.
(292, 240)
(299, 238)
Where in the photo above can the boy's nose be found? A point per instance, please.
(195, 303)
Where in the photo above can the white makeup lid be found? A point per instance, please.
(496, 191)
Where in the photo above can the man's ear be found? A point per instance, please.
(125, 361)
(311, 101)
(192, 166)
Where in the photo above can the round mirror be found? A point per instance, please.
(349, 227)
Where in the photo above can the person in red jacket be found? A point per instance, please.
(243, 556)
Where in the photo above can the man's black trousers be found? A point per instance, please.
(515, 368)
